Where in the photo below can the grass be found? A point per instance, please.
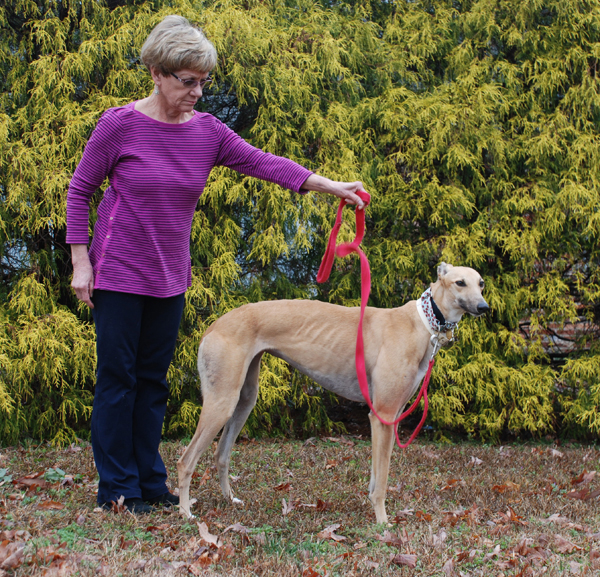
(464, 510)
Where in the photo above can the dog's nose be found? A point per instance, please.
(482, 307)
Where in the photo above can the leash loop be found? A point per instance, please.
(365, 273)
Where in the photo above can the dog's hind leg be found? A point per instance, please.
(248, 396)
(382, 441)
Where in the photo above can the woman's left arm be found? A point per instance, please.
(345, 190)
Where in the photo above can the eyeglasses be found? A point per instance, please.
(191, 83)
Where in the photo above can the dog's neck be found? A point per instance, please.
(436, 314)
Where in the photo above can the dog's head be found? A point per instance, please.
(461, 292)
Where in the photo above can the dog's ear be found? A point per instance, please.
(443, 270)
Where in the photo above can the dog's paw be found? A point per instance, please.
(237, 501)
(188, 516)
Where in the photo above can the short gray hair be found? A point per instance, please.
(175, 44)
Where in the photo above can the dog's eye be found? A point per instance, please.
(461, 283)
(481, 284)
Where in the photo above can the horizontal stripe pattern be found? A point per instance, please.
(157, 172)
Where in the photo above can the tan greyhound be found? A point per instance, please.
(319, 339)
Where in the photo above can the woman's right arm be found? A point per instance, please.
(99, 158)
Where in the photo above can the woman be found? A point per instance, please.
(157, 153)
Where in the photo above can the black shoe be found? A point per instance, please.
(166, 500)
(137, 506)
(134, 505)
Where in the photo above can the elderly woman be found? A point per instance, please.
(157, 153)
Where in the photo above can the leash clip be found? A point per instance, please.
(435, 342)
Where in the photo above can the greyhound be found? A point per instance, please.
(319, 340)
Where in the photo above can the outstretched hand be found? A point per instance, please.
(346, 190)
(349, 190)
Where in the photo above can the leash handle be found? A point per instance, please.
(365, 274)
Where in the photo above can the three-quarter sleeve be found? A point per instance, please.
(99, 158)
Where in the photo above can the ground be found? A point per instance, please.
(466, 510)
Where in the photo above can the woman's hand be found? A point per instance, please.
(83, 274)
(345, 190)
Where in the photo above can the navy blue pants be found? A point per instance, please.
(135, 341)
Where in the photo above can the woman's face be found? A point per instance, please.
(181, 89)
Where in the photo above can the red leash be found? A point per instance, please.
(365, 275)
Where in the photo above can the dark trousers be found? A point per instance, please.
(135, 337)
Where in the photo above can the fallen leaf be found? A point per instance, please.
(564, 545)
(470, 555)
(207, 475)
(323, 505)
(331, 464)
(329, 533)
(11, 554)
(584, 478)
(371, 564)
(422, 516)
(495, 553)
(119, 506)
(126, 544)
(287, 508)
(310, 572)
(475, 461)
(236, 528)
(31, 482)
(438, 540)
(448, 567)
(408, 560)
(348, 442)
(556, 518)
(282, 487)
(15, 535)
(575, 568)
(511, 517)
(51, 505)
(391, 539)
(402, 516)
(207, 537)
(556, 453)
(583, 494)
(508, 486)
(450, 484)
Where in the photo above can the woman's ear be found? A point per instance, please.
(157, 77)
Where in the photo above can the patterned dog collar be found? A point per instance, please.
(431, 314)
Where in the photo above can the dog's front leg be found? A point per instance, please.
(382, 441)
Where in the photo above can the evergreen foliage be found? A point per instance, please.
(474, 125)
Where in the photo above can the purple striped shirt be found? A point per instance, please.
(157, 171)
